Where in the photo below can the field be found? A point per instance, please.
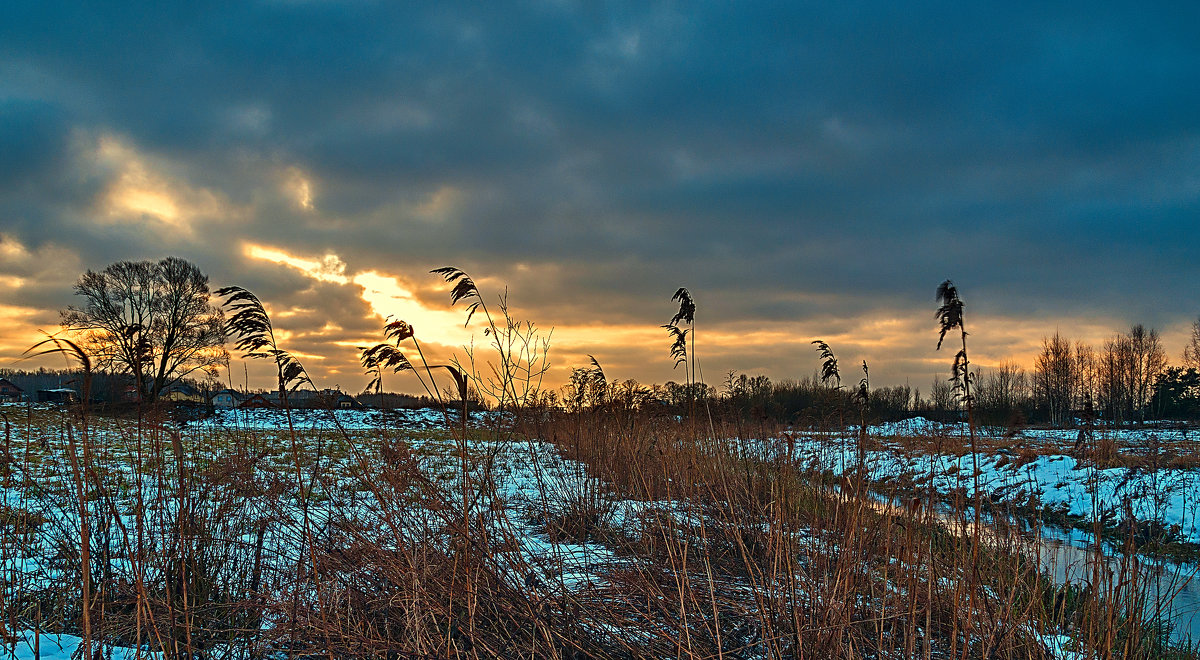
(607, 532)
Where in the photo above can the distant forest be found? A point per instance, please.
(113, 388)
(1127, 380)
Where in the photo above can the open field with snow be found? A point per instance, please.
(1149, 486)
(602, 533)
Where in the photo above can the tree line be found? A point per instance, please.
(154, 322)
(1127, 379)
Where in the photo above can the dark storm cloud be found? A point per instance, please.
(785, 161)
(33, 136)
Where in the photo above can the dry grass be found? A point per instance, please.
(736, 553)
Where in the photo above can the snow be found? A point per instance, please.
(1060, 647)
(1169, 495)
(531, 477)
(533, 480)
(916, 426)
(324, 420)
(63, 647)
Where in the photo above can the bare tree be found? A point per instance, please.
(1191, 351)
(1127, 369)
(941, 398)
(1149, 360)
(1087, 367)
(1055, 378)
(151, 320)
(1115, 397)
(998, 397)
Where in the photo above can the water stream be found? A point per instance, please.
(1068, 555)
(1173, 589)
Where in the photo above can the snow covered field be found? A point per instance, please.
(1047, 477)
(531, 481)
(542, 511)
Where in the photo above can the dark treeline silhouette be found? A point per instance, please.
(116, 388)
(1127, 380)
(104, 386)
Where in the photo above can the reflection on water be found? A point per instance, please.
(1173, 589)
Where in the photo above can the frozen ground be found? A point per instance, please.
(533, 480)
(1169, 496)
(63, 647)
(533, 483)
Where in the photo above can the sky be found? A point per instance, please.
(806, 170)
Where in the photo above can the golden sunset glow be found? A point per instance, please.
(11, 281)
(23, 328)
(327, 269)
(130, 199)
(388, 297)
(897, 346)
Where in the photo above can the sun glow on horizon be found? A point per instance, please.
(898, 344)
(388, 296)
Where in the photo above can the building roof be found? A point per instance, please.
(257, 401)
(5, 381)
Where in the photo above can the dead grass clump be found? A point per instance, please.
(1105, 452)
(1026, 457)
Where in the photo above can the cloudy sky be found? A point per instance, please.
(807, 170)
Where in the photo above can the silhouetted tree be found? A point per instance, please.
(1191, 351)
(1149, 360)
(1055, 379)
(1113, 383)
(1177, 394)
(1127, 369)
(1000, 395)
(150, 319)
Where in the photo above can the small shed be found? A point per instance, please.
(58, 395)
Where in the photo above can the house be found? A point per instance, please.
(316, 399)
(9, 391)
(182, 393)
(257, 401)
(228, 399)
(296, 398)
(58, 395)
